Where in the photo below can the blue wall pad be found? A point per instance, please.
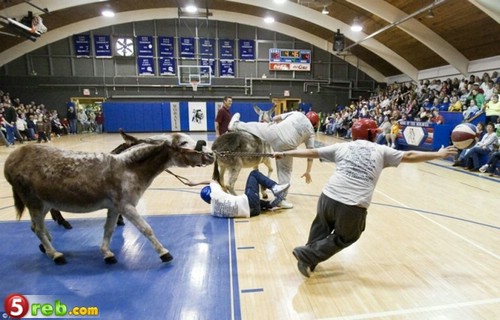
(200, 283)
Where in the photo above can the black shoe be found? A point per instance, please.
(456, 164)
(303, 267)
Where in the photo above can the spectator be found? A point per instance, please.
(492, 109)
(492, 164)
(99, 120)
(71, 116)
(393, 135)
(223, 117)
(483, 147)
(456, 105)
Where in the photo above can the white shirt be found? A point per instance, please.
(226, 205)
(358, 167)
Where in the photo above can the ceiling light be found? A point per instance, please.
(108, 13)
(356, 25)
(279, 1)
(268, 19)
(325, 10)
(191, 8)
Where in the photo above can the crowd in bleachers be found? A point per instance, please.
(21, 122)
(423, 102)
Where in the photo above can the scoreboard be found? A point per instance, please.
(289, 60)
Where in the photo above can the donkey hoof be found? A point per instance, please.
(60, 260)
(110, 260)
(41, 247)
(167, 257)
(66, 225)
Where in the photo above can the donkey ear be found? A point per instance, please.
(257, 109)
(128, 138)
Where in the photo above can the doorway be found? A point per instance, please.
(286, 104)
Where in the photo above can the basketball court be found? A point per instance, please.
(431, 250)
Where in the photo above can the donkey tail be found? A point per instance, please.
(216, 173)
(19, 204)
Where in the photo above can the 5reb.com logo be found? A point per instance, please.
(18, 306)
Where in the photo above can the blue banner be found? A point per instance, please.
(145, 46)
(167, 66)
(145, 66)
(102, 46)
(81, 43)
(226, 69)
(187, 47)
(166, 46)
(247, 49)
(226, 49)
(207, 47)
(209, 63)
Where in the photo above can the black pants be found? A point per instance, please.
(335, 227)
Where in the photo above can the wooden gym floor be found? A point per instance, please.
(431, 250)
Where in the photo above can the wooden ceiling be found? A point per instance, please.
(460, 32)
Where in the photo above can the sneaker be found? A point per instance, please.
(286, 205)
(234, 122)
(393, 146)
(279, 188)
(483, 168)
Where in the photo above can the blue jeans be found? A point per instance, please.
(472, 157)
(254, 181)
(10, 133)
(72, 126)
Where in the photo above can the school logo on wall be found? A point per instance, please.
(197, 114)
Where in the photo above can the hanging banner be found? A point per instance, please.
(198, 118)
(102, 46)
(226, 68)
(81, 43)
(145, 46)
(209, 63)
(145, 66)
(166, 47)
(207, 47)
(175, 116)
(247, 49)
(187, 48)
(167, 66)
(226, 49)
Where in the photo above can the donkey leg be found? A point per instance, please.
(233, 176)
(38, 222)
(138, 221)
(109, 228)
(57, 217)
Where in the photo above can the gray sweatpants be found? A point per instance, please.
(335, 227)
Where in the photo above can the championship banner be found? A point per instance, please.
(166, 47)
(207, 47)
(175, 116)
(167, 66)
(247, 49)
(145, 66)
(102, 46)
(226, 49)
(145, 46)
(187, 48)
(226, 68)
(209, 63)
(198, 116)
(81, 43)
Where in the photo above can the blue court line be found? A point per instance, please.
(438, 214)
(252, 290)
(475, 174)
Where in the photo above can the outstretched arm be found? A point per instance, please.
(421, 156)
(302, 153)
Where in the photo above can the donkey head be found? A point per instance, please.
(264, 115)
(187, 151)
(190, 152)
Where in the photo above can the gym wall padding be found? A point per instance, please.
(156, 117)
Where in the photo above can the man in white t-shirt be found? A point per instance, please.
(226, 205)
(342, 206)
(286, 132)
